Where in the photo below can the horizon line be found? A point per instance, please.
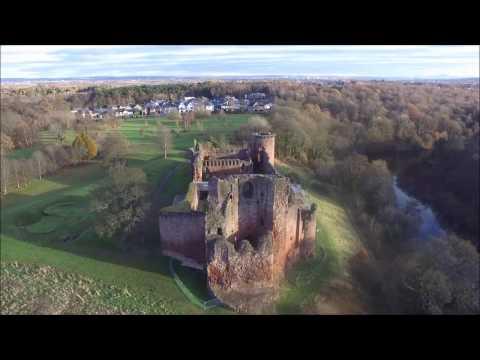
(318, 76)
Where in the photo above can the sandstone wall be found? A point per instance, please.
(222, 213)
(262, 149)
(197, 167)
(225, 167)
(241, 207)
(246, 207)
(294, 228)
(182, 235)
(242, 279)
(255, 213)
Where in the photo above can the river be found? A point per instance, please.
(429, 225)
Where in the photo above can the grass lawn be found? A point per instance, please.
(47, 290)
(336, 242)
(36, 222)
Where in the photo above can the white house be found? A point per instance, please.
(192, 105)
(182, 107)
(209, 106)
(123, 113)
(231, 103)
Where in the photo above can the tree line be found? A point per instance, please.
(103, 96)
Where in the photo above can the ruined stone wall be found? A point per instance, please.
(245, 207)
(283, 230)
(196, 162)
(225, 167)
(197, 168)
(222, 212)
(208, 152)
(242, 278)
(262, 150)
(255, 213)
(182, 235)
(240, 153)
(240, 206)
(192, 195)
(288, 241)
(294, 228)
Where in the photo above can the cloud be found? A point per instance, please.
(383, 61)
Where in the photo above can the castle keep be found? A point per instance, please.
(241, 221)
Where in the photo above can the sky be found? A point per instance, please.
(404, 61)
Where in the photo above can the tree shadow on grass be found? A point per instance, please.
(76, 236)
(22, 210)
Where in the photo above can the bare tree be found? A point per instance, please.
(39, 159)
(6, 145)
(49, 152)
(5, 172)
(61, 157)
(187, 118)
(114, 147)
(164, 138)
(28, 171)
(15, 166)
(58, 132)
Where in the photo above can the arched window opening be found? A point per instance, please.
(248, 190)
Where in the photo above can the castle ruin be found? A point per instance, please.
(241, 221)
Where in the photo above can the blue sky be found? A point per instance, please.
(377, 61)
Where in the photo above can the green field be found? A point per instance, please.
(48, 223)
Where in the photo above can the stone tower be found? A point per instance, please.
(262, 149)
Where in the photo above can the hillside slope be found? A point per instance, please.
(324, 285)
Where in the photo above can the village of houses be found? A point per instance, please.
(253, 102)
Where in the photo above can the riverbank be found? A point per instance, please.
(429, 225)
(446, 189)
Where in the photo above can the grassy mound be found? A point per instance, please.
(63, 214)
(27, 218)
(63, 209)
(46, 225)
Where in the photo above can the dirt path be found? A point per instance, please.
(158, 201)
(158, 192)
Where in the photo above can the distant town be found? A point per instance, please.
(253, 103)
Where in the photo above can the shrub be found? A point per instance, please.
(83, 140)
